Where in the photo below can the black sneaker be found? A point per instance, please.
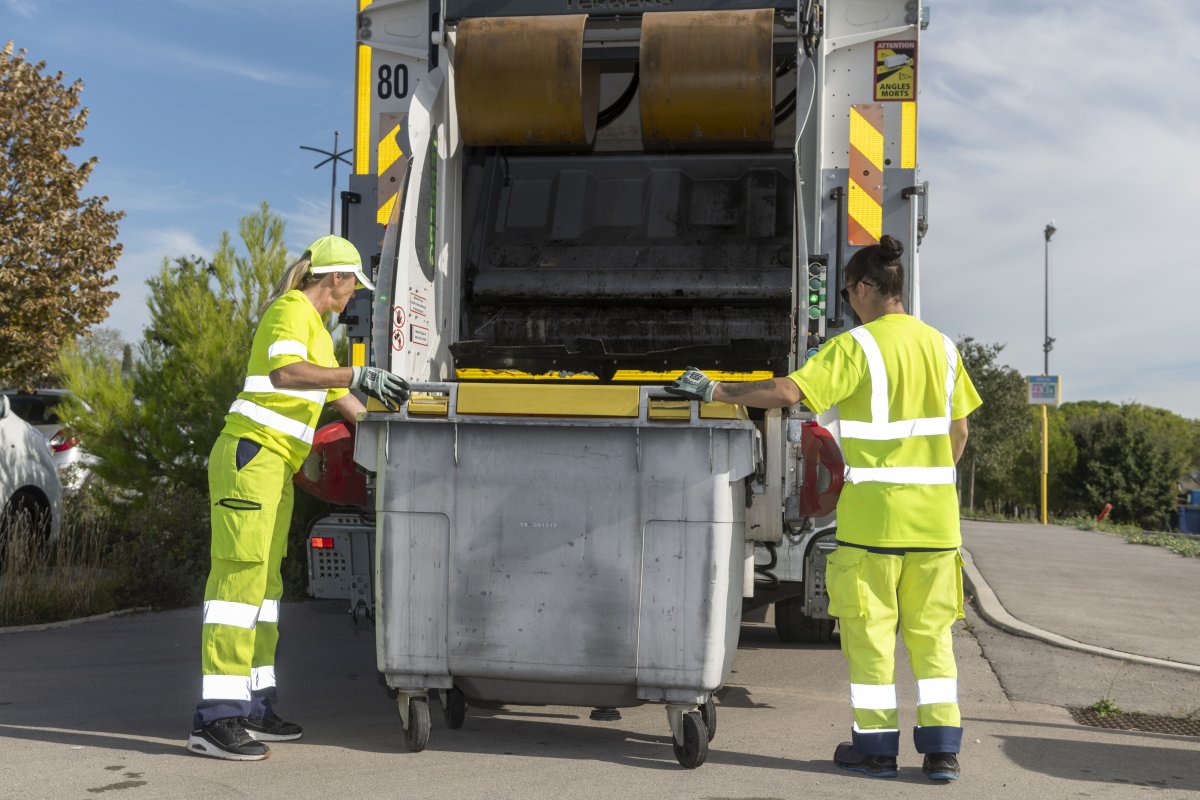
(272, 729)
(226, 738)
(941, 766)
(847, 757)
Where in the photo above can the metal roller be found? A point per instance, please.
(522, 81)
(707, 78)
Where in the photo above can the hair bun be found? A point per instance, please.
(890, 248)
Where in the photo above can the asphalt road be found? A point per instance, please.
(102, 709)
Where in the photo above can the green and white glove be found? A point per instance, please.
(389, 389)
(694, 385)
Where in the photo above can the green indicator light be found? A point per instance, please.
(812, 298)
(814, 283)
(814, 312)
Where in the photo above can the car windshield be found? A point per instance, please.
(36, 409)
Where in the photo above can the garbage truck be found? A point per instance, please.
(565, 204)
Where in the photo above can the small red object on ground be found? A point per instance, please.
(1104, 512)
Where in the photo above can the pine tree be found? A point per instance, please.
(58, 249)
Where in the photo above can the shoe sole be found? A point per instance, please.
(942, 776)
(203, 747)
(870, 773)
(273, 737)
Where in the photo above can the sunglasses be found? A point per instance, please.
(846, 290)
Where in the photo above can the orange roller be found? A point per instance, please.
(521, 81)
(707, 78)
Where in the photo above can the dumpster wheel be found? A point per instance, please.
(708, 712)
(416, 731)
(454, 708)
(694, 749)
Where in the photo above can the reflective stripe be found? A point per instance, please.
(262, 384)
(937, 690)
(878, 697)
(270, 611)
(879, 376)
(900, 429)
(926, 476)
(262, 678)
(952, 361)
(224, 612)
(857, 729)
(273, 420)
(287, 347)
(226, 687)
(880, 428)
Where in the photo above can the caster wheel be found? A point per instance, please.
(454, 707)
(416, 735)
(708, 712)
(694, 749)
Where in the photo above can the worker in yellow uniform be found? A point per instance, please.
(902, 398)
(268, 432)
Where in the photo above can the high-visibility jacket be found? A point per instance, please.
(283, 420)
(897, 383)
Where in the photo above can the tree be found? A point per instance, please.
(999, 427)
(58, 249)
(152, 420)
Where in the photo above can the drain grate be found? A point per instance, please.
(1137, 722)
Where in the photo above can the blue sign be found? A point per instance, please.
(1044, 390)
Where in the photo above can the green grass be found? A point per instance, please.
(63, 579)
(1106, 707)
(1183, 545)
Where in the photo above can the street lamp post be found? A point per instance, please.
(1047, 346)
(335, 157)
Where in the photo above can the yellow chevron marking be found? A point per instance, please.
(865, 209)
(385, 210)
(908, 135)
(865, 138)
(389, 150)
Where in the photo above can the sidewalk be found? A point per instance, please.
(1090, 587)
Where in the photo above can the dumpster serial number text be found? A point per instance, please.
(539, 524)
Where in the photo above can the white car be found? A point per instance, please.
(28, 478)
(37, 407)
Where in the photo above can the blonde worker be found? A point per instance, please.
(903, 398)
(268, 432)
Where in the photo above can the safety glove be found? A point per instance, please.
(694, 385)
(389, 389)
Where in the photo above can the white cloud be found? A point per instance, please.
(22, 8)
(1066, 112)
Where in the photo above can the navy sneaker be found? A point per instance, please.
(272, 729)
(226, 738)
(846, 757)
(941, 766)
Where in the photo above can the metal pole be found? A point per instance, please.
(1045, 459)
(333, 189)
(335, 157)
(1047, 345)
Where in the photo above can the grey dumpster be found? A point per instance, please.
(586, 562)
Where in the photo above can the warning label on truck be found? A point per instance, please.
(895, 71)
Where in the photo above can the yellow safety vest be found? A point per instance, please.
(283, 420)
(897, 383)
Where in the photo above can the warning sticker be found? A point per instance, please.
(419, 334)
(895, 71)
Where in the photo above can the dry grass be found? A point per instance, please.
(51, 581)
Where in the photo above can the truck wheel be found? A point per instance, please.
(794, 626)
(694, 749)
(416, 735)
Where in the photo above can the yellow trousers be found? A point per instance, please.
(874, 591)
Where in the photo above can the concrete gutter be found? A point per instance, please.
(990, 608)
(66, 623)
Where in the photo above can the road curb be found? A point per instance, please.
(990, 608)
(66, 623)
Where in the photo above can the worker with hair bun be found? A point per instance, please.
(902, 398)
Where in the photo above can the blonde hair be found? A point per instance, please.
(296, 276)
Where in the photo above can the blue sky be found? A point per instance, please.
(1078, 111)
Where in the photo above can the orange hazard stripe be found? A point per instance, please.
(865, 191)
